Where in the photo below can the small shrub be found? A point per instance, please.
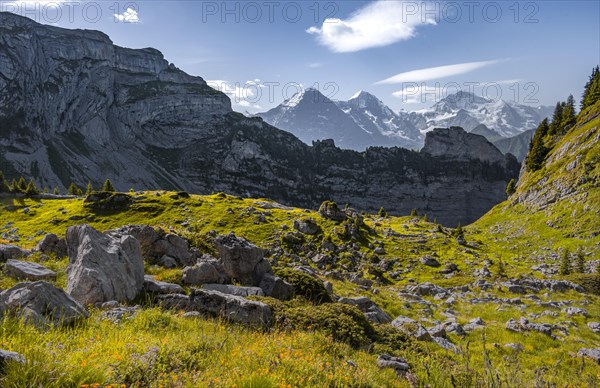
(305, 285)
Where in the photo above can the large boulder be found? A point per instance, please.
(156, 244)
(42, 304)
(276, 287)
(330, 210)
(217, 304)
(154, 286)
(372, 312)
(207, 270)
(51, 244)
(306, 226)
(242, 260)
(28, 271)
(103, 267)
(412, 328)
(8, 252)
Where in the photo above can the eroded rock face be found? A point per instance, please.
(42, 304)
(242, 260)
(150, 122)
(103, 267)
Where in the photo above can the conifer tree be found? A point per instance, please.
(108, 186)
(591, 92)
(46, 190)
(555, 125)
(14, 186)
(511, 188)
(3, 184)
(31, 188)
(22, 184)
(414, 213)
(568, 114)
(580, 261)
(459, 232)
(565, 263)
(74, 189)
(537, 148)
(382, 213)
(56, 191)
(89, 189)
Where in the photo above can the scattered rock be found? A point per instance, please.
(428, 289)
(154, 286)
(51, 244)
(570, 311)
(373, 312)
(42, 304)
(230, 289)
(8, 357)
(516, 347)
(594, 354)
(412, 328)
(117, 314)
(276, 287)
(398, 364)
(241, 260)
(331, 211)
(594, 326)
(445, 343)
(523, 324)
(103, 267)
(205, 272)
(215, 303)
(11, 252)
(306, 226)
(430, 261)
(24, 270)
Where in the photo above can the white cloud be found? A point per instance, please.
(435, 72)
(378, 24)
(244, 95)
(315, 65)
(129, 16)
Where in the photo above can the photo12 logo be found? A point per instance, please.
(267, 11)
(471, 11)
(515, 91)
(55, 12)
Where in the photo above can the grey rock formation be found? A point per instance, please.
(103, 267)
(154, 286)
(412, 328)
(398, 364)
(230, 289)
(456, 143)
(430, 261)
(8, 357)
(276, 287)
(242, 260)
(593, 354)
(131, 116)
(155, 244)
(24, 270)
(594, 326)
(373, 312)
(42, 304)
(306, 226)
(215, 303)
(11, 252)
(51, 244)
(205, 272)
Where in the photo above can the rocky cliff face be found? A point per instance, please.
(75, 107)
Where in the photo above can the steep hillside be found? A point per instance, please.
(557, 206)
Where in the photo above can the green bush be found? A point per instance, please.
(344, 323)
(305, 285)
(591, 282)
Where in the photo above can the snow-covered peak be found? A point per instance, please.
(294, 100)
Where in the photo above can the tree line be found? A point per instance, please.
(29, 188)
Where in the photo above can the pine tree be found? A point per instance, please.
(46, 190)
(568, 114)
(511, 188)
(89, 189)
(425, 218)
(459, 232)
(565, 263)
(14, 186)
(382, 213)
(31, 189)
(580, 261)
(537, 148)
(3, 184)
(56, 191)
(591, 92)
(22, 184)
(555, 126)
(108, 186)
(74, 189)
(414, 213)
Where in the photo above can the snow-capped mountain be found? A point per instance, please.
(365, 121)
(468, 111)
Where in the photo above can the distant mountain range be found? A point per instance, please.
(365, 121)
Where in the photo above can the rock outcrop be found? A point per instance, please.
(52, 244)
(131, 116)
(25, 270)
(242, 260)
(103, 267)
(42, 304)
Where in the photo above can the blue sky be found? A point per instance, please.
(407, 53)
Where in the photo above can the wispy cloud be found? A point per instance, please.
(129, 16)
(378, 24)
(439, 72)
(315, 65)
